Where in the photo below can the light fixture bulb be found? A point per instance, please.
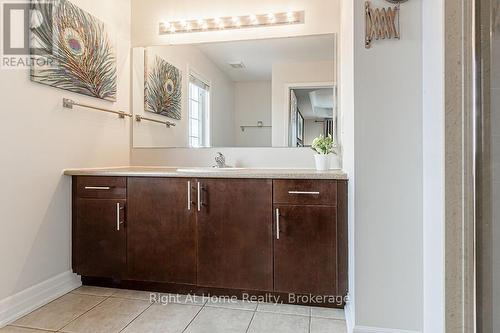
(201, 22)
(235, 19)
(172, 29)
(271, 18)
(290, 16)
(188, 27)
(217, 20)
(253, 19)
(183, 23)
(166, 25)
(204, 26)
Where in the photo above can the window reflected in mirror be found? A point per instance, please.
(199, 112)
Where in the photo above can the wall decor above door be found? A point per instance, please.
(75, 49)
(381, 23)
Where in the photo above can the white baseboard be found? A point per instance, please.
(22, 303)
(349, 317)
(368, 329)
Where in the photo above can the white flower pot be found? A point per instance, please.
(322, 162)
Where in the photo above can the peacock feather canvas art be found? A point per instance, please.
(76, 48)
(162, 88)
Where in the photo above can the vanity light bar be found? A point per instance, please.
(232, 22)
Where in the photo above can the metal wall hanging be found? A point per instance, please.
(382, 23)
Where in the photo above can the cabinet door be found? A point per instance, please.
(99, 237)
(235, 234)
(305, 249)
(161, 230)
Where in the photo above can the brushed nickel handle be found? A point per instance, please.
(117, 216)
(189, 195)
(199, 196)
(99, 188)
(303, 192)
(118, 222)
(277, 223)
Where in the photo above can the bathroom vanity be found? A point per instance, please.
(212, 232)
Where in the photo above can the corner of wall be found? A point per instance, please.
(24, 302)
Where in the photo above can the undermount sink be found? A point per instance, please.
(208, 169)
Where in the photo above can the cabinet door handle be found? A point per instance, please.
(189, 195)
(277, 223)
(118, 222)
(303, 192)
(98, 188)
(199, 196)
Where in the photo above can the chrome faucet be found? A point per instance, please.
(221, 161)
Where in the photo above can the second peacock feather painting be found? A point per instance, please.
(162, 87)
(72, 50)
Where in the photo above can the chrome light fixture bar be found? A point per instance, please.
(232, 22)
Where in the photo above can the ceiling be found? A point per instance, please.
(258, 56)
(315, 103)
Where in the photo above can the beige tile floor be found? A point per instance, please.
(104, 310)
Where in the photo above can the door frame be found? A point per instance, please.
(460, 112)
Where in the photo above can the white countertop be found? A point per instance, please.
(138, 171)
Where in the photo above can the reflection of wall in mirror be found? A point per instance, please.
(252, 104)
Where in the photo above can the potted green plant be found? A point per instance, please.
(323, 146)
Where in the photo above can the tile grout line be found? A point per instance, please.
(196, 315)
(92, 308)
(46, 330)
(130, 322)
(251, 320)
(14, 325)
(310, 318)
(30, 329)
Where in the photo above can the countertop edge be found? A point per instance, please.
(172, 173)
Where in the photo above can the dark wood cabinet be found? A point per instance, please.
(235, 234)
(225, 236)
(305, 250)
(99, 231)
(161, 230)
(310, 243)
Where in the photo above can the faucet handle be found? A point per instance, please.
(220, 160)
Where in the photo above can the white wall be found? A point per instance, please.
(433, 169)
(252, 103)
(301, 74)
(40, 139)
(345, 68)
(322, 17)
(186, 58)
(388, 170)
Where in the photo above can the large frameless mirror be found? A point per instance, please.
(256, 93)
